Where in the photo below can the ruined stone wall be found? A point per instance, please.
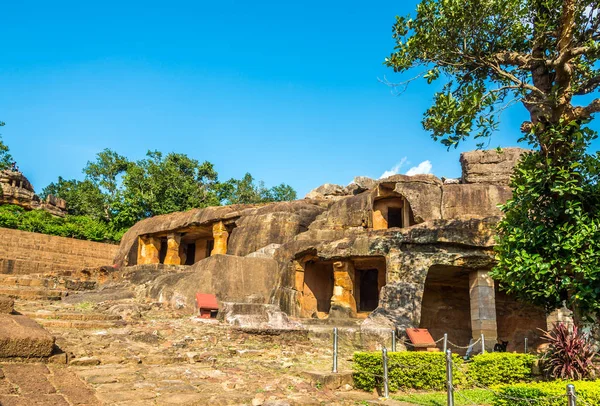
(23, 252)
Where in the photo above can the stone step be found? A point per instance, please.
(81, 324)
(49, 315)
(46, 282)
(31, 293)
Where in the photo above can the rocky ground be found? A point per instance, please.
(121, 352)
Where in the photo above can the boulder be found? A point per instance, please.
(474, 200)
(493, 167)
(6, 305)
(228, 277)
(23, 337)
(327, 191)
(360, 184)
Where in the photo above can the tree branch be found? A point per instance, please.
(512, 58)
(589, 86)
(593, 107)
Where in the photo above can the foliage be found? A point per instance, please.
(570, 354)
(494, 53)
(161, 184)
(5, 157)
(122, 192)
(465, 398)
(83, 197)
(546, 394)
(40, 221)
(245, 191)
(406, 370)
(493, 368)
(549, 239)
(545, 55)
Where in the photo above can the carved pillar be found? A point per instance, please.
(220, 236)
(379, 216)
(201, 248)
(343, 302)
(405, 213)
(172, 257)
(148, 250)
(483, 308)
(182, 253)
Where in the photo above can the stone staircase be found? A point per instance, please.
(41, 287)
(77, 320)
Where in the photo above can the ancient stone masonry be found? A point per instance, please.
(404, 251)
(16, 189)
(22, 252)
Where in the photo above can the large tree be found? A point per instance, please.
(544, 55)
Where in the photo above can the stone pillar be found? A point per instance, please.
(182, 253)
(379, 217)
(343, 302)
(200, 253)
(148, 250)
(483, 308)
(220, 236)
(172, 257)
(405, 213)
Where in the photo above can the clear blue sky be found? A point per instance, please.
(287, 91)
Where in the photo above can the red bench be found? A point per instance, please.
(207, 305)
(421, 339)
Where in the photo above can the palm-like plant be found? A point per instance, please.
(570, 354)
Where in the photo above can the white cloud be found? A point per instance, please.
(395, 169)
(423, 168)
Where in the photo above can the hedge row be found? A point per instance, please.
(546, 394)
(427, 370)
(40, 221)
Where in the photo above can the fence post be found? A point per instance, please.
(482, 344)
(386, 386)
(571, 395)
(445, 342)
(394, 340)
(526, 346)
(335, 350)
(449, 385)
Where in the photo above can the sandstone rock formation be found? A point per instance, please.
(405, 251)
(492, 167)
(16, 189)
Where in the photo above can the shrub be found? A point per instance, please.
(546, 394)
(39, 221)
(406, 370)
(570, 354)
(495, 368)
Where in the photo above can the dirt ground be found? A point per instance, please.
(126, 353)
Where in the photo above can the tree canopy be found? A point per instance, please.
(121, 192)
(494, 53)
(543, 54)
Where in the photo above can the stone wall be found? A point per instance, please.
(23, 252)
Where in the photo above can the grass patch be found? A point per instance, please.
(462, 397)
(84, 306)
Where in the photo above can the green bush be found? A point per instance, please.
(546, 394)
(406, 370)
(39, 221)
(495, 368)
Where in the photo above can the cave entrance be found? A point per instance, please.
(318, 288)
(369, 291)
(446, 304)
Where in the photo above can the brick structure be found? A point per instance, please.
(23, 252)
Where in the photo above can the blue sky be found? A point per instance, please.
(287, 91)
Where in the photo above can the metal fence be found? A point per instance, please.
(570, 395)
